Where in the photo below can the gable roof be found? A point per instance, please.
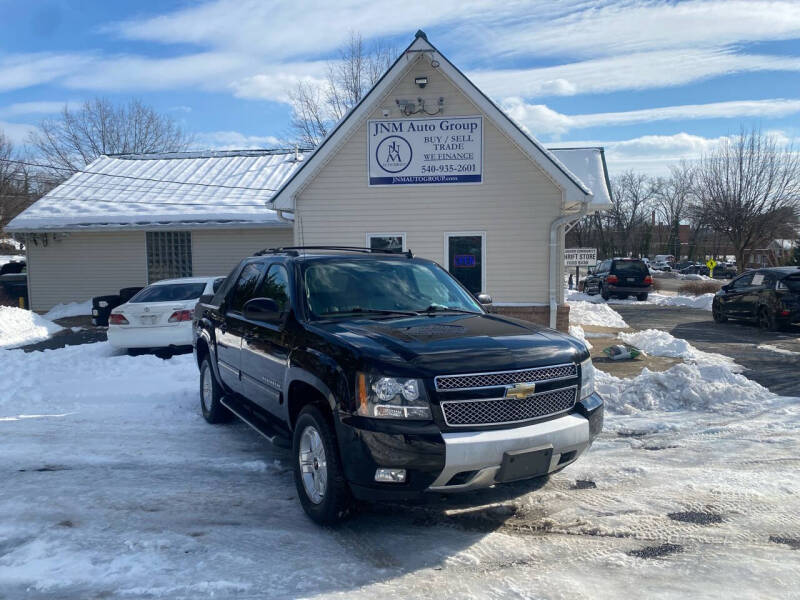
(575, 190)
(186, 189)
(590, 165)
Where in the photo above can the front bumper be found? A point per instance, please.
(456, 461)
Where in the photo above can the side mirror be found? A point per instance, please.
(262, 309)
(485, 299)
(725, 288)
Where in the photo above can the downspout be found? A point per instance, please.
(554, 256)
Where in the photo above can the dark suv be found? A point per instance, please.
(620, 277)
(387, 378)
(771, 297)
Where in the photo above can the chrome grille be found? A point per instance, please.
(503, 378)
(497, 411)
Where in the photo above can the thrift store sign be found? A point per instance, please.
(413, 151)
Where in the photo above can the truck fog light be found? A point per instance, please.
(390, 475)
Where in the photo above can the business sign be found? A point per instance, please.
(418, 151)
(580, 257)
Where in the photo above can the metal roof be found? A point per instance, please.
(180, 189)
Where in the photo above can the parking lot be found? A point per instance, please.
(152, 502)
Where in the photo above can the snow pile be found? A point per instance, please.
(7, 258)
(576, 331)
(690, 387)
(703, 301)
(660, 343)
(72, 309)
(591, 313)
(19, 327)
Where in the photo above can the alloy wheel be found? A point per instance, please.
(207, 389)
(313, 464)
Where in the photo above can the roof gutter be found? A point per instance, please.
(283, 217)
(554, 256)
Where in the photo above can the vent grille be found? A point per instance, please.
(503, 378)
(461, 413)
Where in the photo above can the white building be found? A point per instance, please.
(425, 161)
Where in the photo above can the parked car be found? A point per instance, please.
(661, 266)
(770, 297)
(389, 378)
(620, 277)
(160, 315)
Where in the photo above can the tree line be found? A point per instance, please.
(738, 197)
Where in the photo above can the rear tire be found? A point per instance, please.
(210, 396)
(766, 319)
(318, 475)
(641, 297)
(604, 294)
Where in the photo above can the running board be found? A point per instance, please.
(266, 431)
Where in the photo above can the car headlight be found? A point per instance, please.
(391, 397)
(587, 378)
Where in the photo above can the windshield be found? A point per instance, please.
(171, 292)
(630, 268)
(365, 285)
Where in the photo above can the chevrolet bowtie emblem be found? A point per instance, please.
(520, 391)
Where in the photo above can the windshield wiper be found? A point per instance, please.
(439, 308)
(373, 311)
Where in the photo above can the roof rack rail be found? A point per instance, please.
(295, 250)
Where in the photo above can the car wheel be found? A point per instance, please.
(604, 293)
(318, 473)
(641, 297)
(716, 312)
(210, 396)
(766, 319)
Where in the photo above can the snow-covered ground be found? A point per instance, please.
(703, 301)
(7, 258)
(114, 487)
(19, 327)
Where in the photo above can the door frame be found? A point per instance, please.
(446, 255)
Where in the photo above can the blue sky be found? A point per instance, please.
(652, 81)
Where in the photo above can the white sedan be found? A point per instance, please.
(160, 315)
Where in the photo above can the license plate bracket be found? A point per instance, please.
(524, 464)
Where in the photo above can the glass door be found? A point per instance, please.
(465, 259)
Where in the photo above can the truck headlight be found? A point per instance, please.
(587, 378)
(391, 397)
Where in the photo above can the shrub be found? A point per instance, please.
(696, 288)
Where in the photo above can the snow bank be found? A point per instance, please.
(72, 309)
(19, 327)
(690, 387)
(576, 331)
(590, 313)
(703, 301)
(7, 258)
(660, 343)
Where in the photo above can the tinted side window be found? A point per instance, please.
(276, 286)
(743, 281)
(245, 286)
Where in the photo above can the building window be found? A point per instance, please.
(169, 255)
(465, 252)
(387, 241)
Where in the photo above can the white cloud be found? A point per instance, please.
(614, 27)
(542, 120)
(16, 132)
(627, 72)
(234, 140)
(31, 108)
(24, 70)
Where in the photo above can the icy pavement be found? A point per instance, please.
(114, 487)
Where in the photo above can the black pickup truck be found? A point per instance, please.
(387, 378)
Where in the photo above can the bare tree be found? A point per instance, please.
(78, 136)
(316, 109)
(747, 187)
(632, 195)
(16, 187)
(673, 198)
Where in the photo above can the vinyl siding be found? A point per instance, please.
(217, 251)
(82, 265)
(514, 205)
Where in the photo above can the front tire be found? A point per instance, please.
(211, 395)
(716, 312)
(318, 475)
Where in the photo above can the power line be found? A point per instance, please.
(216, 185)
